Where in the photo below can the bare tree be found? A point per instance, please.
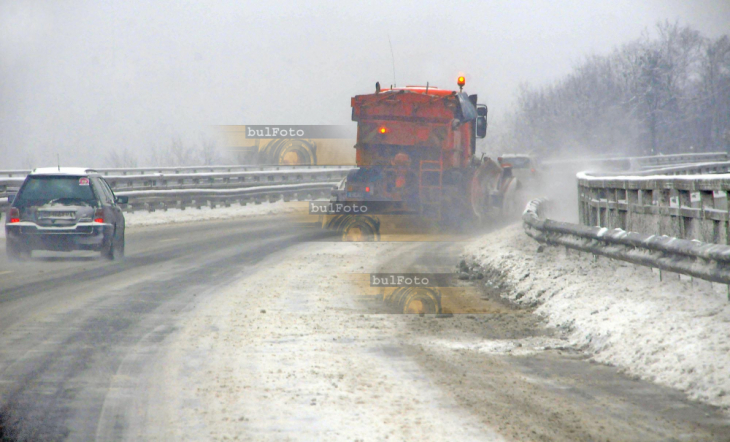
(208, 152)
(654, 95)
(121, 158)
(181, 154)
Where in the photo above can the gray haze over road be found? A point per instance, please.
(84, 78)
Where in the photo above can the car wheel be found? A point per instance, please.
(120, 246)
(16, 252)
(115, 249)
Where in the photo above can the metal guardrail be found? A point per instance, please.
(638, 163)
(710, 262)
(114, 171)
(182, 188)
(683, 169)
(682, 158)
(152, 200)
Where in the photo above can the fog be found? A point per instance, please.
(81, 79)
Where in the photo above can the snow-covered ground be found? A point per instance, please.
(172, 216)
(673, 332)
(286, 353)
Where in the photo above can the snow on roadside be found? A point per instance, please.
(173, 216)
(675, 332)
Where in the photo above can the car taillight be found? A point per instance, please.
(367, 189)
(99, 216)
(14, 215)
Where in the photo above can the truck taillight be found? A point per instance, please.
(99, 216)
(367, 189)
(14, 215)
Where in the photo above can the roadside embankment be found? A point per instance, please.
(673, 331)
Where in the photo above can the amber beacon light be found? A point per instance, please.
(461, 81)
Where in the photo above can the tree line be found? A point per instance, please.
(660, 94)
(176, 153)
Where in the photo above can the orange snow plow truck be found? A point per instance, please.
(416, 149)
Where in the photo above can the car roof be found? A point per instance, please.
(69, 171)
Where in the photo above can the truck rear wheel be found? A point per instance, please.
(421, 300)
(355, 228)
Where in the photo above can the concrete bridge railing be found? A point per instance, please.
(693, 207)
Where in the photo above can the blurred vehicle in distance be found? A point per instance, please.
(525, 168)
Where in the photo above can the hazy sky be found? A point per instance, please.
(82, 78)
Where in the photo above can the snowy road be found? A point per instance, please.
(258, 329)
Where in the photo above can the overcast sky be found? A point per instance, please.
(82, 78)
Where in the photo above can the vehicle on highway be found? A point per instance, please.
(416, 149)
(524, 167)
(65, 209)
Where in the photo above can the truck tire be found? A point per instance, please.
(421, 300)
(357, 228)
(292, 151)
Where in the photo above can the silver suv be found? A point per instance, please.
(65, 209)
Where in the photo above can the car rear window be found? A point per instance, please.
(38, 190)
(517, 162)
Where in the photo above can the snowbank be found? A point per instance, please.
(675, 332)
(171, 216)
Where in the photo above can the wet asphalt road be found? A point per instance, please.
(78, 335)
(68, 321)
